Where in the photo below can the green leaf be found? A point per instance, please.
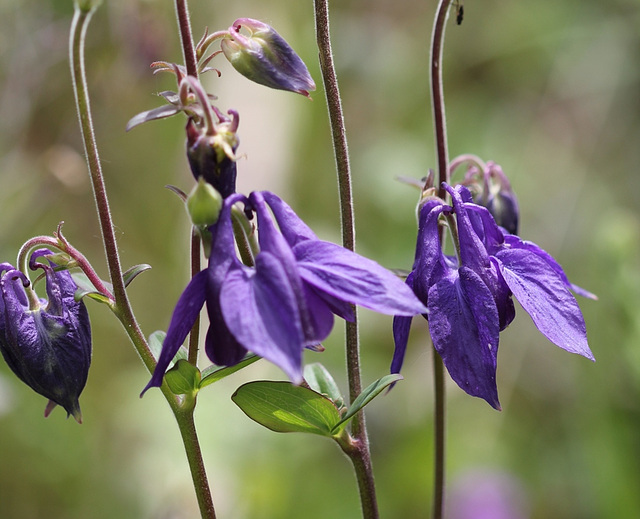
(133, 272)
(283, 407)
(183, 378)
(320, 380)
(156, 340)
(368, 394)
(86, 288)
(214, 373)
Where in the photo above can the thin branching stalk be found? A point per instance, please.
(440, 130)
(360, 455)
(182, 411)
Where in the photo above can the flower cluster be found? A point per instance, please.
(469, 297)
(287, 300)
(46, 343)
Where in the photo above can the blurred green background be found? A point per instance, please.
(549, 90)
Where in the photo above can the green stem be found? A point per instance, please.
(360, 456)
(437, 95)
(187, 427)
(122, 308)
(439, 436)
(440, 129)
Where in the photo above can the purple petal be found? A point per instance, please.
(463, 321)
(429, 262)
(543, 294)
(221, 346)
(516, 243)
(350, 277)
(321, 315)
(473, 253)
(272, 241)
(261, 311)
(490, 233)
(401, 328)
(337, 306)
(292, 227)
(184, 316)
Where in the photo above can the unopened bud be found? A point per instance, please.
(204, 204)
(266, 58)
(212, 157)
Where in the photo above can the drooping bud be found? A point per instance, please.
(46, 343)
(212, 157)
(491, 188)
(204, 204)
(266, 58)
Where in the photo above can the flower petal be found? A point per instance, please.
(271, 240)
(401, 328)
(261, 311)
(320, 313)
(292, 227)
(337, 306)
(184, 316)
(543, 294)
(430, 263)
(516, 243)
(463, 321)
(221, 346)
(350, 277)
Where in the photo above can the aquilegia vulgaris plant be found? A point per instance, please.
(271, 288)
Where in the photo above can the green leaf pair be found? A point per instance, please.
(318, 409)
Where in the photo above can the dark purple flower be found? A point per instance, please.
(266, 58)
(470, 298)
(287, 300)
(46, 343)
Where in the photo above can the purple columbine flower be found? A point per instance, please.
(287, 300)
(470, 297)
(47, 344)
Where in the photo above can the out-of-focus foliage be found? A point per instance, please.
(550, 91)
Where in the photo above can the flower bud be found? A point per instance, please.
(212, 157)
(204, 204)
(491, 188)
(266, 58)
(46, 343)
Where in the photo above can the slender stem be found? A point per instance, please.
(122, 309)
(440, 127)
(189, 434)
(78, 34)
(188, 50)
(468, 158)
(63, 245)
(437, 94)
(439, 436)
(360, 456)
(245, 240)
